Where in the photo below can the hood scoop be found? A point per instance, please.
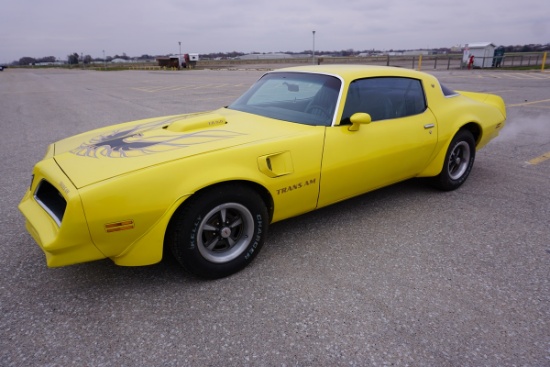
(196, 122)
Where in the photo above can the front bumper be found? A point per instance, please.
(64, 237)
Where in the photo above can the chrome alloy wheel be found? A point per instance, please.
(459, 159)
(225, 232)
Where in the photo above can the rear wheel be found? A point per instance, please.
(458, 163)
(219, 231)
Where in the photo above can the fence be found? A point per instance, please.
(426, 62)
(450, 61)
(522, 59)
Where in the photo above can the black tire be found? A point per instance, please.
(458, 163)
(219, 231)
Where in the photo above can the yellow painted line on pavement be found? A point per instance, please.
(532, 75)
(504, 75)
(170, 88)
(527, 103)
(538, 76)
(203, 86)
(515, 76)
(498, 91)
(540, 158)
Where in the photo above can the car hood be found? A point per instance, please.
(115, 150)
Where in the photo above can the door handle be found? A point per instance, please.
(429, 126)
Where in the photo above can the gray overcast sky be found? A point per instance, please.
(39, 28)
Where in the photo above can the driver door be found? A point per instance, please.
(395, 146)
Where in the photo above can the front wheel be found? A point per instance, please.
(219, 231)
(458, 163)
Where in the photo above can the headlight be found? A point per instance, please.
(50, 151)
(32, 180)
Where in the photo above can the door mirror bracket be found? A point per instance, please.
(358, 119)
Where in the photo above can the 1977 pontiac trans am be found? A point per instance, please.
(205, 186)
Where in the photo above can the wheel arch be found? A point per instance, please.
(436, 165)
(259, 189)
(180, 218)
(458, 161)
(473, 128)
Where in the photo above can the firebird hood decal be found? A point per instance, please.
(117, 150)
(145, 139)
(129, 143)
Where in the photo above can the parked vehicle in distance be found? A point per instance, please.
(207, 185)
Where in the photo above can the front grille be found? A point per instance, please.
(51, 200)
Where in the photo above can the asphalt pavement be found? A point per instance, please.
(403, 276)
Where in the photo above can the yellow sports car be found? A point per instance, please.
(207, 185)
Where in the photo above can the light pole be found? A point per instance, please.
(179, 58)
(313, 53)
(104, 61)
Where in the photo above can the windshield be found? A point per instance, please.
(303, 98)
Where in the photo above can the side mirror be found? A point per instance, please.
(358, 119)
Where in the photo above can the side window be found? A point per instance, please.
(385, 98)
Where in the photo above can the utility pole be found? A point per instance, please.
(313, 53)
(179, 58)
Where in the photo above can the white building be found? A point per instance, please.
(483, 53)
(120, 61)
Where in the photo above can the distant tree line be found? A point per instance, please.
(75, 58)
(31, 60)
(527, 48)
(222, 55)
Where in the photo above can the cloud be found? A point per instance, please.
(58, 27)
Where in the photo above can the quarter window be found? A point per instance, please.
(448, 92)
